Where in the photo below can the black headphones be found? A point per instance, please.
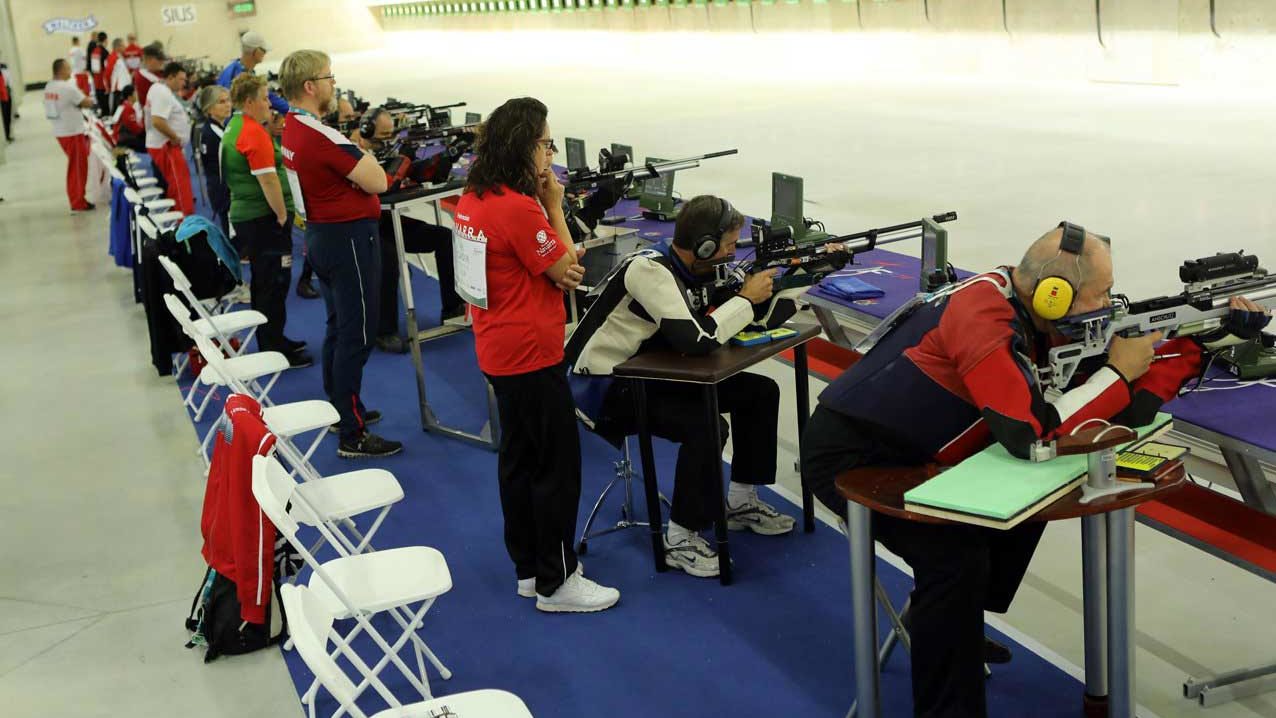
(368, 125)
(706, 245)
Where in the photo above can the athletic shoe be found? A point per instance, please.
(367, 445)
(369, 418)
(299, 359)
(527, 586)
(87, 208)
(996, 653)
(293, 344)
(306, 290)
(578, 595)
(759, 517)
(692, 554)
(392, 344)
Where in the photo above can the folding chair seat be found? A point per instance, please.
(222, 327)
(356, 586)
(310, 626)
(244, 368)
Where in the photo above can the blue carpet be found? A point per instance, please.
(774, 644)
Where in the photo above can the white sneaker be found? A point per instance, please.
(578, 595)
(759, 517)
(692, 554)
(527, 586)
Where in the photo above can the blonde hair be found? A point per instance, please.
(298, 68)
(245, 87)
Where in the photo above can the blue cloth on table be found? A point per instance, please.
(850, 288)
(120, 241)
(195, 224)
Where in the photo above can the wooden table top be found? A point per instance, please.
(710, 368)
(882, 488)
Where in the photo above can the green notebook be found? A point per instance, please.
(993, 488)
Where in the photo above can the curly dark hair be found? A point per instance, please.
(504, 148)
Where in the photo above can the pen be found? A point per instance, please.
(1165, 356)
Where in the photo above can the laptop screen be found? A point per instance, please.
(786, 202)
(660, 186)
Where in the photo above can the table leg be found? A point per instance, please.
(859, 534)
(1120, 526)
(713, 416)
(802, 387)
(1094, 581)
(1255, 489)
(409, 308)
(649, 475)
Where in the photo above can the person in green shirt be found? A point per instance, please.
(261, 211)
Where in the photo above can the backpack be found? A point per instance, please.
(214, 620)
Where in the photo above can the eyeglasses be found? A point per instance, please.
(549, 145)
(324, 77)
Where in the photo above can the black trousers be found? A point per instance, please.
(347, 261)
(6, 112)
(418, 238)
(103, 101)
(676, 411)
(268, 248)
(959, 571)
(539, 474)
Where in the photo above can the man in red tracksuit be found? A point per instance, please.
(62, 104)
(949, 379)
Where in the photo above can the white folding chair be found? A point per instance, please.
(163, 220)
(310, 625)
(222, 327)
(285, 421)
(358, 586)
(245, 368)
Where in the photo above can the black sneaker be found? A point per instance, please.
(299, 359)
(369, 418)
(306, 290)
(367, 445)
(996, 653)
(392, 344)
(293, 345)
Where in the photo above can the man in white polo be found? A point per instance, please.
(62, 104)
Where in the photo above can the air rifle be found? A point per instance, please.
(582, 179)
(802, 264)
(1209, 285)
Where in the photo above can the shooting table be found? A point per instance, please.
(1107, 549)
(705, 372)
(1242, 422)
(409, 202)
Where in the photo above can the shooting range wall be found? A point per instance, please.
(332, 25)
(1136, 41)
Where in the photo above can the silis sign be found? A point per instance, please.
(178, 14)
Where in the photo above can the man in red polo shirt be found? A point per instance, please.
(334, 187)
(147, 74)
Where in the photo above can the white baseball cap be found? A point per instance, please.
(252, 40)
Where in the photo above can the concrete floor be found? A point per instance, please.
(100, 488)
(100, 479)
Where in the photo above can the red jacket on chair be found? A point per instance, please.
(239, 540)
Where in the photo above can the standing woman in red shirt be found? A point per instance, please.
(514, 258)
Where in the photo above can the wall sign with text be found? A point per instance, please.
(69, 25)
(178, 14)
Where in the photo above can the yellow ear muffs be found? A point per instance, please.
(1053, 298)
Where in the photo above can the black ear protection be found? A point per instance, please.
(368, 125)
(1053, 296)
(706, 245)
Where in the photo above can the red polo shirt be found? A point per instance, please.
(317, 159)
(522, 329)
